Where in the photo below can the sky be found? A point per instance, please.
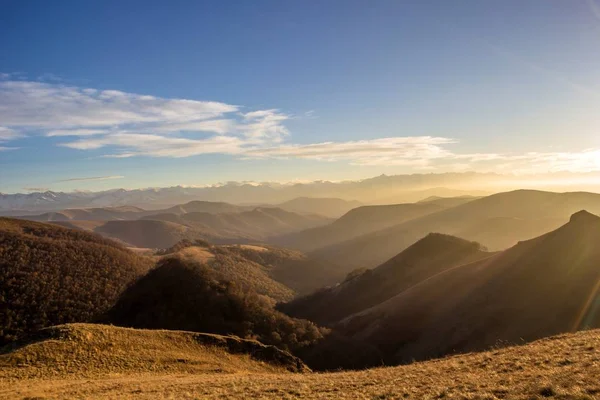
(103, 94)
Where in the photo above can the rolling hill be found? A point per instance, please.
(328, 207)
(532, 209)
(254, 225)
(538, 288)
(181, 294)
(563, 367)
(429, 256)
(91, 350)
(150, 233)
(51, 275)
(211, 207)
(448, 202)
(355, 223)
(90, 214)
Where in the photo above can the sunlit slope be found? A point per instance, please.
(538, 288)
(563, 367)
(429, 256)
(357, 222)
(51, 275)
(89, 350)
(528, 206)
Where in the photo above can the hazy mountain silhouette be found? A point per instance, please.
(329, 207)
(429, 256)
(355, 223)
(529, 206)
(538, 288)
(448, 202)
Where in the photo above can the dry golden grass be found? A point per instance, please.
(91, 350)
(563, 367)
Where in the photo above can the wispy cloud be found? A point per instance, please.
(365, 152)
(92, 178)
(7, 134)
(125, 125)
(35, 189)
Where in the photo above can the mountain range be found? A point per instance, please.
(502, 220)
(537, 288)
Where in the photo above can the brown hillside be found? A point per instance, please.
(180, 294)
(429, 256)
(51, 275)
(538, 288)
(529, 206)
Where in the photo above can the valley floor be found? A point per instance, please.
(563, 367)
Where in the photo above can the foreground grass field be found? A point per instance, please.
(562, 367)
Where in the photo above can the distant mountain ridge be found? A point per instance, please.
(531, 213)
(355, 223)
(378, 190)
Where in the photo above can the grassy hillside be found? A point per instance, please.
(185, 295)
(357, 222)
(88, 350)
(563, 367)
(538, 288)
(429, 256)
(329, 207)
(530, 207)
(51, 275)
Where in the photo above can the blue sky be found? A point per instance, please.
(102, 94)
